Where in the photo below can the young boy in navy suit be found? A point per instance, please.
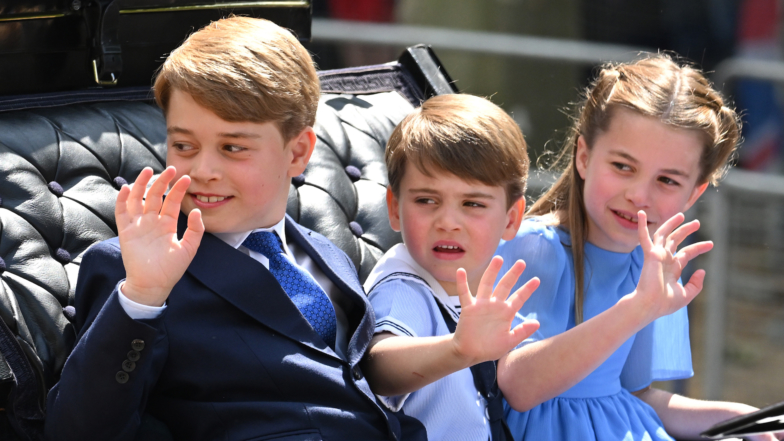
(253, 330)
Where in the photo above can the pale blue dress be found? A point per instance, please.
(600, 407)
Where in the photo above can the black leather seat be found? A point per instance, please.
(61, 167)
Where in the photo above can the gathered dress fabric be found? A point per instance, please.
(600, 407)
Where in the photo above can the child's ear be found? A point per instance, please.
(393, 207)
(301, 146)
(581, 156)
(514, 217)
(695, 194)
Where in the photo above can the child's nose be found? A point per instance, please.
(447, 219)
(204, 167)
(638, 194)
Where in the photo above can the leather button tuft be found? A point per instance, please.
(70, 313)
(134, 355)
(122, 377)
(2, 265)
(298, 181)
(128, 366)
(55, 188)
(353, 173)
(118, 182)
(62, 256)
(356, 228)
(137, 345)
(357, 373)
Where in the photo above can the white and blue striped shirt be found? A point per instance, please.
(450, 408)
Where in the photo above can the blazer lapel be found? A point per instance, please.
(249, 286)
(336, 267)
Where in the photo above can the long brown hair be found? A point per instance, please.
(656, 86)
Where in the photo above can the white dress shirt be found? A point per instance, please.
(296, 256)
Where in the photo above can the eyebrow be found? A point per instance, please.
(473, 195)
(632, 159)
(184, 131)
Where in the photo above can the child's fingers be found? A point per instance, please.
(680, 234)
(507, 282)
(667, 228)
(171, 205)
(154, 199)
(136, 198)
(485, 290)
(518, 299)
(463, 291)
(688, 253)
(192, 237)
(524, 330)
(642, 231)
(120, 206)
(695, 285)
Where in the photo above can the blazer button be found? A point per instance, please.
(134, 355)
(137, 345)
(128, 366)
(357, 373)
(122, 377)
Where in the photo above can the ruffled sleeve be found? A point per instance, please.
(552, 303)
(661, 351)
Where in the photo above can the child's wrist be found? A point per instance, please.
(637, 310)
(461, 357)
(144, 296)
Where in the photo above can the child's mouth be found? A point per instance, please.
(625, 216)
(447, 249)
(631, 219)
(210, 198)
(209, 201)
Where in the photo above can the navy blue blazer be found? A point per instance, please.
(231, 357)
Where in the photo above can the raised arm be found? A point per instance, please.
(116, 361)
(544, 369)
(397, 365)
(153, 257)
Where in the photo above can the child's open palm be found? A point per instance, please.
(658, 287)
(483, 331)
(153, 257)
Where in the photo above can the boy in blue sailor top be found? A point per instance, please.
(214, 312)
(457, 170)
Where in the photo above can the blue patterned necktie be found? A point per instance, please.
(306, 294)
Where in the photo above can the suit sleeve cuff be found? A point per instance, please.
(137, 311)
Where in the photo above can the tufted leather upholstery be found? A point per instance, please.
(60, 171)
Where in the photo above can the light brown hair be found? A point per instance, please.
(465, 135)
(656, 86)
(245, 69)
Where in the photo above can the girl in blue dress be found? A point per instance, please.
(649, 137)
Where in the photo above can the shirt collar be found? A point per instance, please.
(235, 240)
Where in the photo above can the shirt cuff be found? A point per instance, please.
(137, 311)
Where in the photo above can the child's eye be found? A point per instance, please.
(181, 146)
(233, 148)
(668, 181)
(424, 201)
(473, 204)
(621, 166)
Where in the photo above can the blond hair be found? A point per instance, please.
(656, 86)
(244, 69)
(464, 135)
